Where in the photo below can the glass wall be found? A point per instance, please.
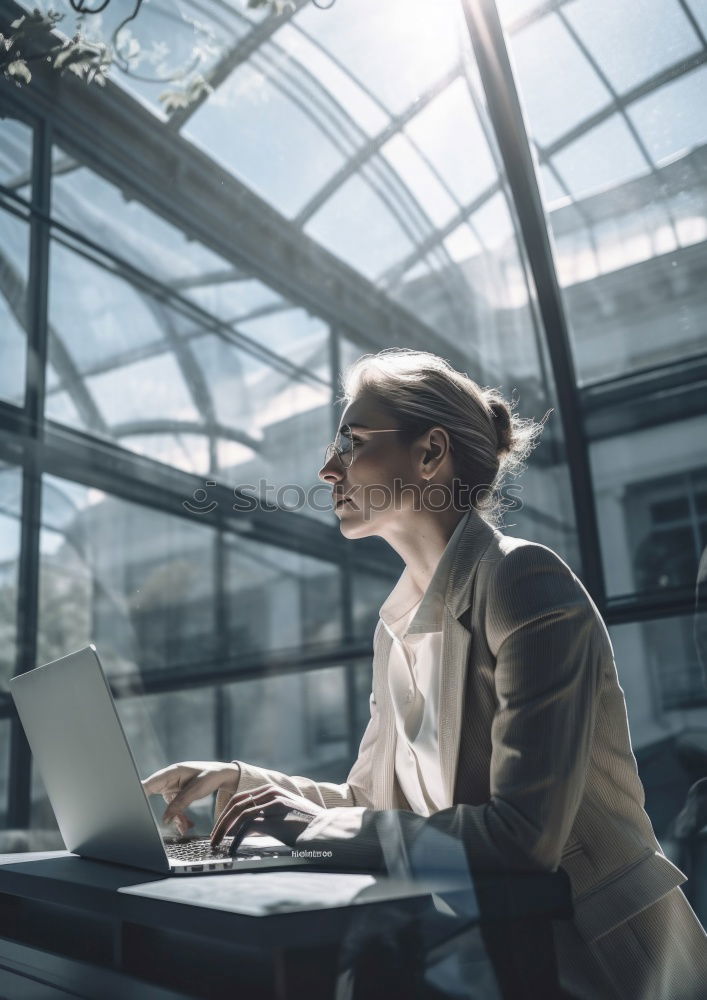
(213, 258)
(620, 141)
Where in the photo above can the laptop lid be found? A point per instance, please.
(78, 742)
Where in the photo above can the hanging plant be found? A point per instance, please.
(34, 40)
(27, 44)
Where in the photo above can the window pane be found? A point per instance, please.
(10, 513)
(662, 673)
(671, 120)
(127, 366)
(633, 41)
(369, 593)
(4, 763)
(631, 226)
(164, 729)
(16, 156)
(552, 106)
(651, 526)
(585, 173)
(138, 583)
(278, 599)
(461, 156)
(375, 43)
(357, 227)
(14, 276)
(295, 723)
(90, 205)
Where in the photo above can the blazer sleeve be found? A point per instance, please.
(355, 791)
(547, 639)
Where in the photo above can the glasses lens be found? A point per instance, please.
(344, 445)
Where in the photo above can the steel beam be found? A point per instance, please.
(18, 805)
(514, 148)
(187, 188)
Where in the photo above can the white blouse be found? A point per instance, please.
(414, 621)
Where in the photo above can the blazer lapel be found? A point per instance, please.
(456, 643)
(456, 640)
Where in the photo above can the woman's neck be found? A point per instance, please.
(421, 539)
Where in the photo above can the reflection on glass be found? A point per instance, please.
(92, 206)
(374, 42)
(622, 174)
(660, 35)
(584, 173)
(460, 155)
(138, 582)
(670, 120)
(356, 225)
(4, 758)
(652, 528)
(277, 599)
(271, 130)
(662, 677)
(296, 723)
(666, 698)
(14, 274)
(10, 514)
(369, 593)
(125, 365)
(553, 107)
(169, 727)
(16, 156)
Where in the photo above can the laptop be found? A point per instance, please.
(75, 734)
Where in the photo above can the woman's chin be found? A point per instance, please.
(353, 526)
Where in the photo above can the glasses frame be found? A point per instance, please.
(332, 448)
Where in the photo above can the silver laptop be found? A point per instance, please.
(103, 812)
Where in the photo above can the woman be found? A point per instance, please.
(497, 718)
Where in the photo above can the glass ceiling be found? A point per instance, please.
(359, 126)
(316, 110)
(342, 83)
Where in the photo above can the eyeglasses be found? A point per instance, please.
(343, 445)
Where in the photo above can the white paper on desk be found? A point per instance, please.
(258, 893)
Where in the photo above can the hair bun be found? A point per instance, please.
(502, 422)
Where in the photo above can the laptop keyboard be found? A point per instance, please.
(201, 850)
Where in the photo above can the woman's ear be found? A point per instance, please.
(436, 447)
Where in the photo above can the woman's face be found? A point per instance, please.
(382, 466)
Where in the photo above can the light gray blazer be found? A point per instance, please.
(533, 738)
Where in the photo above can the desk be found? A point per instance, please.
(74, 927)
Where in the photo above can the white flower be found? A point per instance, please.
(18, 69)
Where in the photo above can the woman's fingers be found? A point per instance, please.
(194, 787)
(238, 806)
(164, 780)
(181, 820)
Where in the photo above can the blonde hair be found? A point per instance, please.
(421, 390)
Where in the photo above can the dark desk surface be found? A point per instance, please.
(167, 930)
(234, 900)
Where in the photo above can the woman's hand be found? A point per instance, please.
(182, 784)
(272, 810)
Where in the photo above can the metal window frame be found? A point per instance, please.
(506, 117)
(359, 302)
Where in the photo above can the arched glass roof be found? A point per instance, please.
(361, 128)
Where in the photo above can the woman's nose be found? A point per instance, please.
(331, 471)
